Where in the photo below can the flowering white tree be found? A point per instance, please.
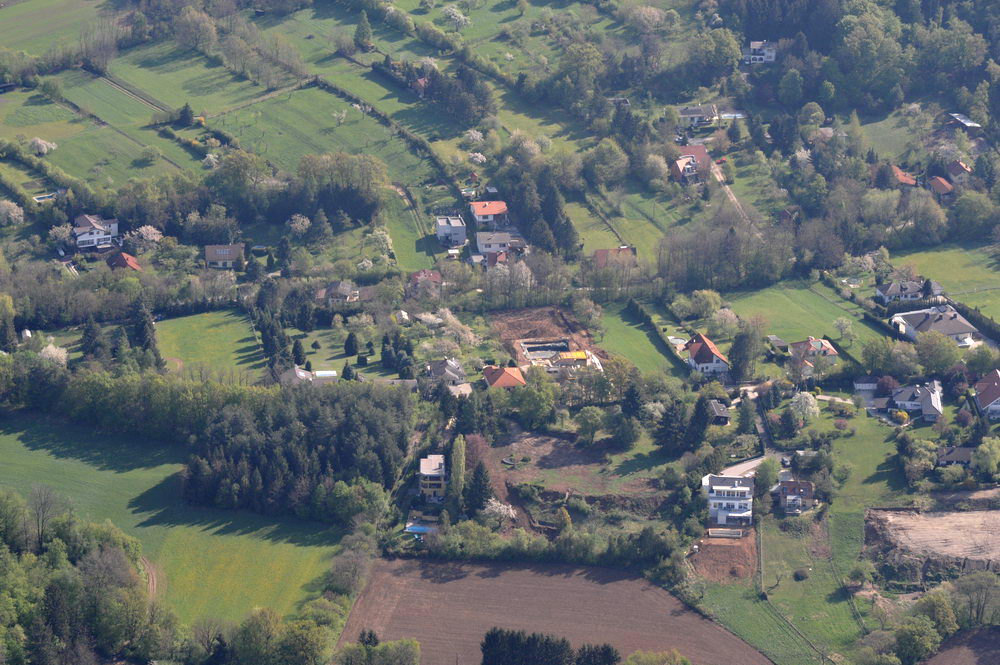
(211, 161)
(499, 510)
(56, 354)
(41, 146)
(10, 214)
(477, 158)
(805, 407)
(298, 225)
(473, 136)
(143, 239)
(457, 19)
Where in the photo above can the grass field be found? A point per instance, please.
(286, 127)
(209, 562)
(174, 76)
(35, 26)
(220, 341)
(415, 247)
(890, 137)
(969, 274)
(793, 312)
(627, 337)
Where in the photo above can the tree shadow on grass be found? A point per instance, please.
(104, 452)
(162, 505)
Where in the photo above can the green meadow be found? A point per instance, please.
(219, 341)
(207, 562)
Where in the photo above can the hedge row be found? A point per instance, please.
(639, 311)
(883, 326)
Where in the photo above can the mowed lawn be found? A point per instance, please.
(793, 312)
(36, 25)
(626, 336)
(208, 562)
(174, 76)
(286, 127)
(220, 341)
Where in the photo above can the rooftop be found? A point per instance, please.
(450, 221)
(486, 208)
(432, 465)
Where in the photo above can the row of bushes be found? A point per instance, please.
(986, 325)
(883, 326)
(639, 311)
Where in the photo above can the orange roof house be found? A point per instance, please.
(623, 255)
(123, 260)
(903, 178)
(940, 186)
(704, 355)
(503, 377)
(485, 211)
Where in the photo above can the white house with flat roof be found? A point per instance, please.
(451, 231)
(432, 476)
(730, 499)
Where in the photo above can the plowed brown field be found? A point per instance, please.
(449, 606)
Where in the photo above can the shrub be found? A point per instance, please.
(796, 526)
(801, 574)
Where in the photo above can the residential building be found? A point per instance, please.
(811, 348)
(988, 395)
(94, 232)
(760, 53)
(223, 256)
(695, 116)
(503, 377)
(123, 261)
(777, 343)
(888, 292)
(297, 374)
(866, 383)
(619, 256)
(942, 188)
(920, 401)
(451, 231)
(446, 370)
(704, 356)
(432, 477)
(730, 499)
(952, 455)
(498, 241)
(461, 390)
(694, 162)
(942, 318)
(340, 291)
(903, 179)
(720, 414)
(423, 282)
(488, 212)
(794, 496)
(959, 172)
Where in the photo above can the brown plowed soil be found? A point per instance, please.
(449, 606)
(726, 559)
(537, 323)
(965, 535)
(974, 647)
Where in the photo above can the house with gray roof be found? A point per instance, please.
(944, 319)
(920, 401)
(888, 292)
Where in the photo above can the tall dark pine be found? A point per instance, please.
(8, 335)
(351, 345)
(298, 353)
(479, 490)
(632, 401)
(698, 425)
(670, 430)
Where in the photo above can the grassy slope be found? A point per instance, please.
(628, 338)
(286, 127)
(36, 25)
(793, 312)
(211, 562)
(174, 75)
(217, 340)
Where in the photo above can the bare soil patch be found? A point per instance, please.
(449, 606)
(974, 647)
(961, 535)
(726, 559)
(975, 499)
(538, 323)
